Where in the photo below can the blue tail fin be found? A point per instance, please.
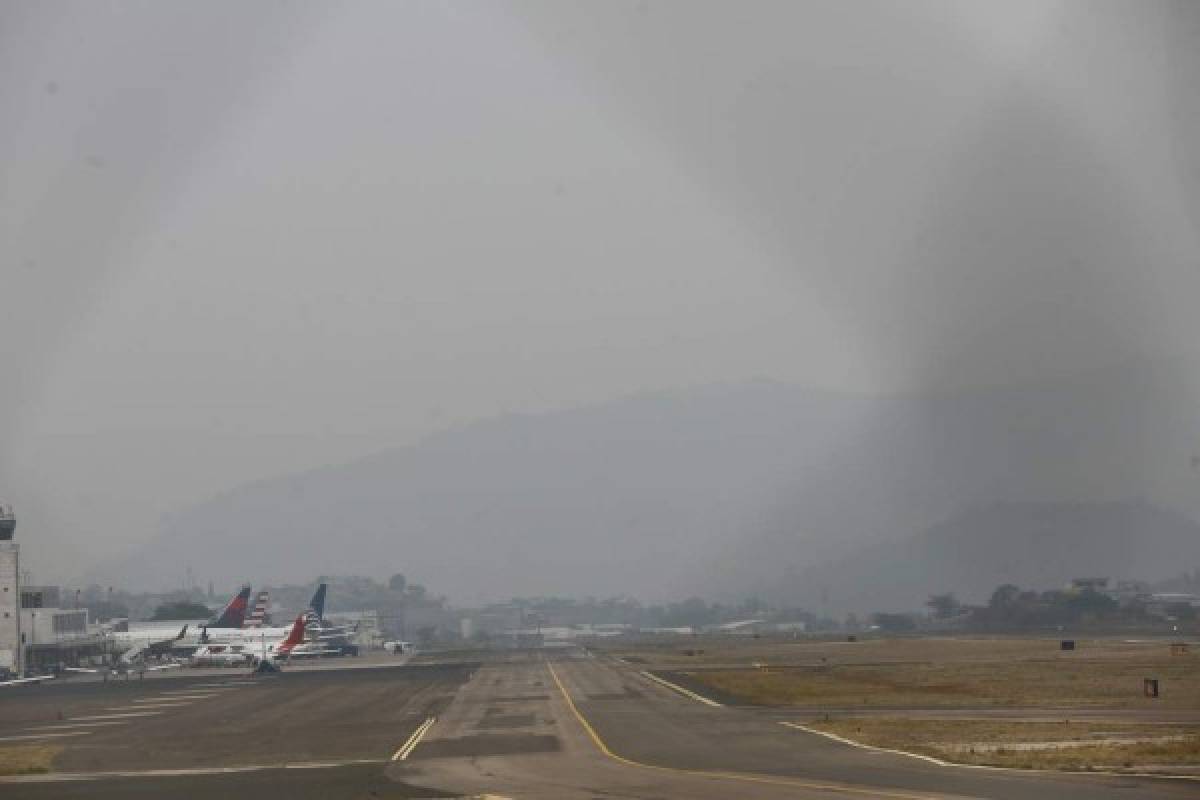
(318, 601)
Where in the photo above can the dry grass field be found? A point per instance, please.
(1030, 745)
(26, 759)
(935, 672)
(887, 682)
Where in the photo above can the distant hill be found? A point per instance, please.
(722, 492)
(1034, 545)
(631, 496)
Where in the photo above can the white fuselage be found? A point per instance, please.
(246, 635)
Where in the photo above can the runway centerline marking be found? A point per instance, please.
(413, 740)
(733, 776)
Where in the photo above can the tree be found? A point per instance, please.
(894, 623)
(1182, 612)
(397, 582)
(1004, 596)
(181, 609)
(943, 606)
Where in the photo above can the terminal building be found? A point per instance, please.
(36, 634)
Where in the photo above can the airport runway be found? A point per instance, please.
(519, 727)
(512, 731)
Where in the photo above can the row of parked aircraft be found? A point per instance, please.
(235, 638)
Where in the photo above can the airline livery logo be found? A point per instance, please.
(235, 613)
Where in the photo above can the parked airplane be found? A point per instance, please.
(134, 658)
(153, 643)
(250, 651)
(225, 634)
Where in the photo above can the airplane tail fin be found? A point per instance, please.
(317, 604)
(295, 637)
(258, 616)
(235, 613)
(182, 632)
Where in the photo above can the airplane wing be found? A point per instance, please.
(163, 666)
(20, 681)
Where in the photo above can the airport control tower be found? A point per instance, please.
(10, 593)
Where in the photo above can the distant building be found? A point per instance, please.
(1088, 585)
(41, 597)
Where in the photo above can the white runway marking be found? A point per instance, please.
(225, 685)
(413, 740)
(118, 716)
(939, 762)
(685, 692)
(149, 705)
(31, 736)
(183, 696)
(69, 725)
(58, 777)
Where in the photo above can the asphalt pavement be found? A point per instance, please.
(519, 726)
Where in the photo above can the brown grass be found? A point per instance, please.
(982, 742)
(947, 673)
(27, 759)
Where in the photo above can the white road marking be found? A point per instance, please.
(149, 705)
(180, 696)
(225, 685)
(413, 740)
(699, 698)
(939, 762)
(869, 747)
(30, 736)
(69, 725)
(117, 716)
(58, 777)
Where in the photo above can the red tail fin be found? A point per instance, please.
(295, 637)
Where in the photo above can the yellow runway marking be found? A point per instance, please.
(733, 776)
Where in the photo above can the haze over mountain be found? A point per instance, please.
(732, 490)
(1034, 545)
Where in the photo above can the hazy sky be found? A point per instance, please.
(243, 239)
